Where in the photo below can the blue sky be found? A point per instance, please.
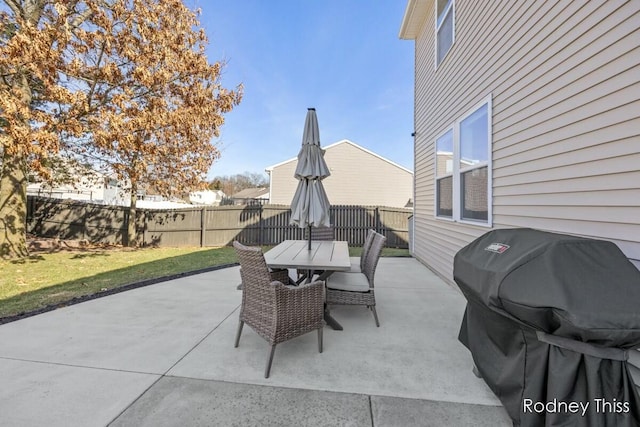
(342, 57)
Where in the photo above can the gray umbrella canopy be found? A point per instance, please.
(311, 162)
(310, 205)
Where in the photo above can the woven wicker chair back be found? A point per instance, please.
(366, 247)
(321, 233)
(373, 255)
(253, 268)
(318, 233)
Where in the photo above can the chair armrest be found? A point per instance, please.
(316, 283)
(308, 297)
(281, 276)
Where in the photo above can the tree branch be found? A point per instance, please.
(78, 20)
(14, 6)
(32, 11)
(95, 81)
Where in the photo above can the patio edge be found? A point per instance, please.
(117, 290)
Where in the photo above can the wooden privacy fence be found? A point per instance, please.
(207, 226)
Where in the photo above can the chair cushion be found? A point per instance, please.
(354, 282)
(355, 265)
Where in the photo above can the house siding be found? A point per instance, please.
(564, 79)
(282, 183)
(358, 177)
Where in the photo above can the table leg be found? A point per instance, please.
(331, 321)
(324, 275)
(327, 316)
(306, 278)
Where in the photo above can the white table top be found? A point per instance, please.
(324, 255)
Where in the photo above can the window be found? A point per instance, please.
(444, 175)
(463, 170)
(445, 28)
(474, 156)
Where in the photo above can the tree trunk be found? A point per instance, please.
(13, 206)
(130, 241)
(13, 190)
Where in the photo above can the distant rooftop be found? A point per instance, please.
(251, 193)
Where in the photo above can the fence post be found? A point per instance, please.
(203, 226)
(84, 222)
(260, 226)
(29, 214)
(125, 231)
(145, 232)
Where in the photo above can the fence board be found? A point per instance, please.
(75, 220)
(207, 226)
(106, 224)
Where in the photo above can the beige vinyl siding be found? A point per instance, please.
(565, 82)
(358, 177)
(282, 183)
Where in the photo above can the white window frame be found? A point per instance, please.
(445, 12)
(458, 171)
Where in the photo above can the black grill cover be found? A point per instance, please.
(549, 321)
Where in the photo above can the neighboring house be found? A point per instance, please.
(207, 197)
(251, 196)
(88, 185)
(358, 177)
(527, 114)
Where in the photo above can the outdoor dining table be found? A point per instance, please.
(325, 255)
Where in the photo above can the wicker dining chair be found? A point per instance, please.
(347, 288)
(274, 311)
(321, 233)
(356, 266)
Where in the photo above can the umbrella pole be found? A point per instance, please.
(309, 237)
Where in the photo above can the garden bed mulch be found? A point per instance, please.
(48, 245)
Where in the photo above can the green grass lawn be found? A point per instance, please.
(46, 279)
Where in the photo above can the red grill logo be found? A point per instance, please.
(497, 248)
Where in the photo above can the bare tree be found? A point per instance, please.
(234, 183)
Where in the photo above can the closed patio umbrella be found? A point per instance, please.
(310, 205)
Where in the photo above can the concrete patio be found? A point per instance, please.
(163, 355)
